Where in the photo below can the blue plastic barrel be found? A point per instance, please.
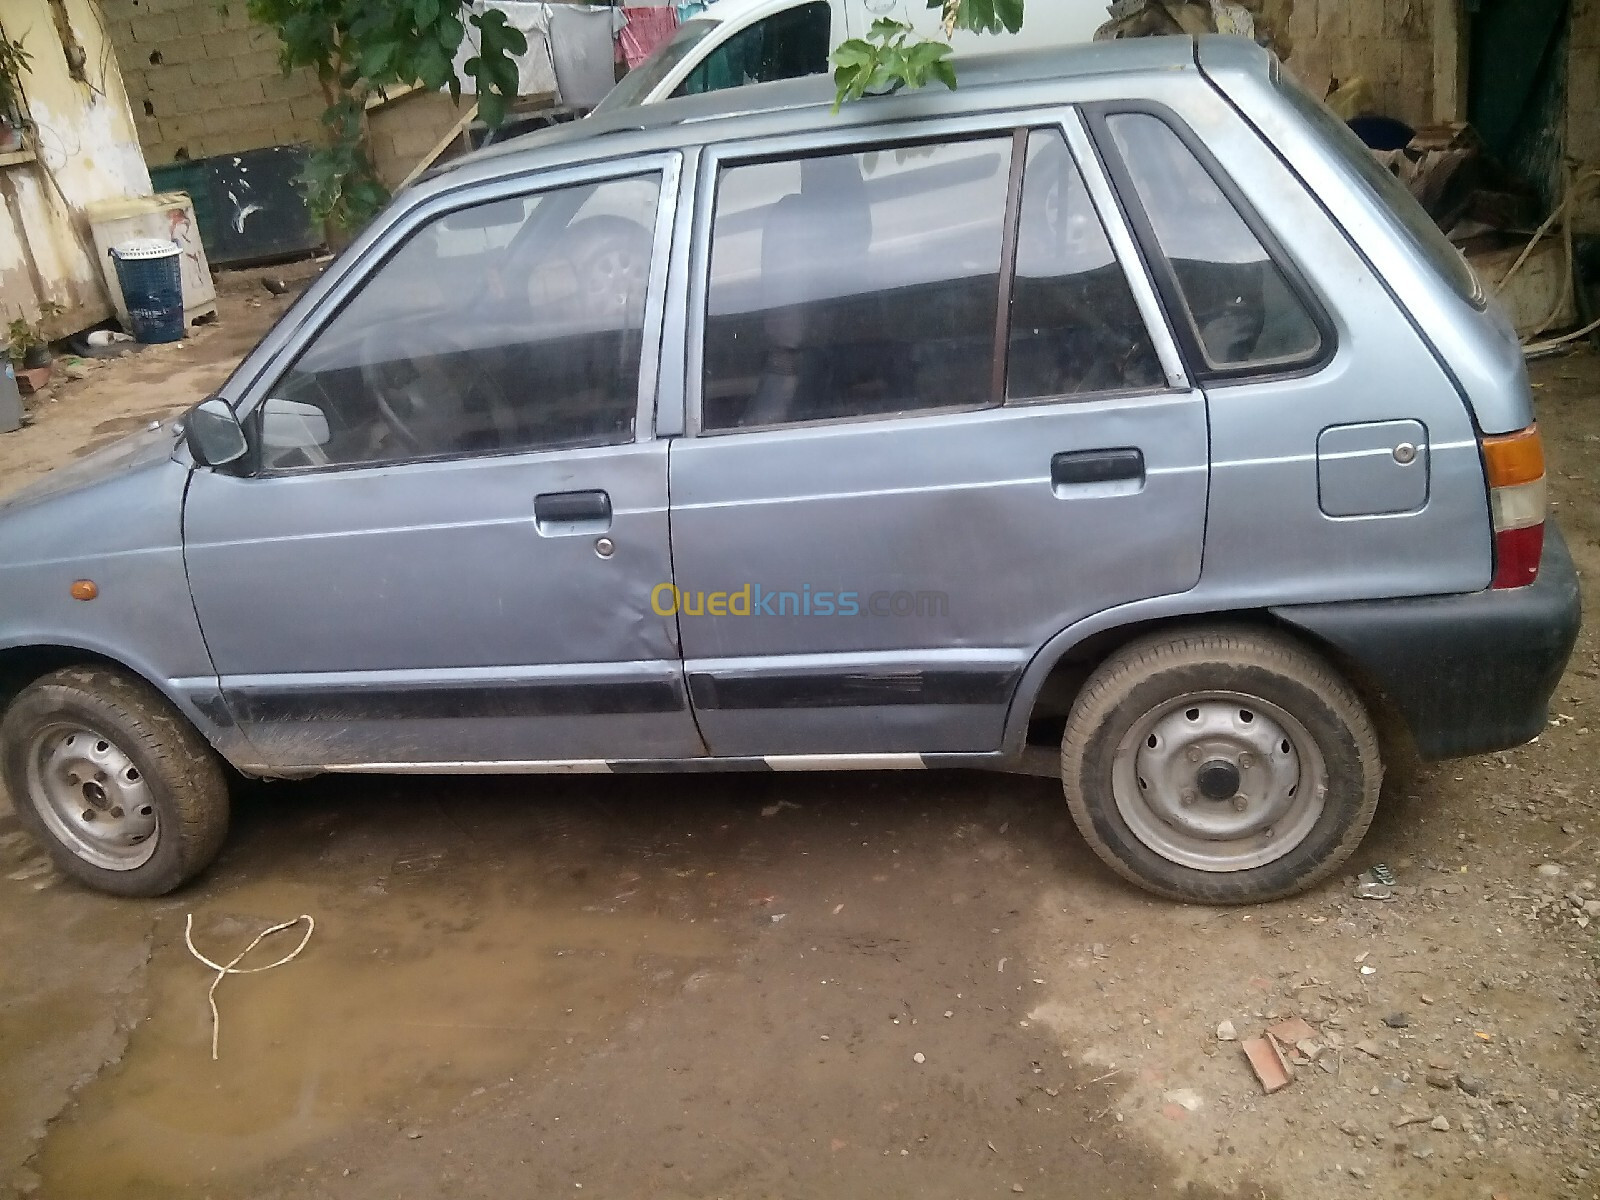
(149, 272)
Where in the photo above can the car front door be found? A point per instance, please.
(935, 420)
(443, 550)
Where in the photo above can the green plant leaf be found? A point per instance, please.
(492, 108)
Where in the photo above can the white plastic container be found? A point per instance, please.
(168, 217)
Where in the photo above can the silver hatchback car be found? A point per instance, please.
(1116, 401)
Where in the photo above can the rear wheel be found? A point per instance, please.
(121, 790)
(1221, 767)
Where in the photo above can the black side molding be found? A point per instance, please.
(859, 689)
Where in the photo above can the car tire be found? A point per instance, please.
(1225, 766)
(124, 793)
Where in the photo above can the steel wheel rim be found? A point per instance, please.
(92, 797)
(1172, 771)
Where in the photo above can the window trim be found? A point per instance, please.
(793, 149)
(687, 320)
(373, 257)
(1159, 266)
(1135, 273)
(1010, 235)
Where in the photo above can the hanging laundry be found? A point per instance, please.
(647, 28)
(689, 9)
(536, 70)
(581, 44)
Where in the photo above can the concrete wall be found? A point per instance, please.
(204, 82)
(84, 148)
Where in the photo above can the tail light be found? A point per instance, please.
(1517, 499)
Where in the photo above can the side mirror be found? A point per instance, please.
(214, 434)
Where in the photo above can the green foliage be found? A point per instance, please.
(361, 47)
(886, 60)
(14, 62)
(980, 16)
(341, 185)
(24, 336)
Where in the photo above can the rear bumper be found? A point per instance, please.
(1468, 674)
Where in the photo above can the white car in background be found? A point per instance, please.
(738, 42)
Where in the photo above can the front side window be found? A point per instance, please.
(1239, 302)
(855, 285)
(1075, 327)
(788, 45)
(509, 326)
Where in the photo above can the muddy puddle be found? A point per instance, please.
(410, 1001)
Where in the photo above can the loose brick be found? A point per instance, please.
(1268, 1064)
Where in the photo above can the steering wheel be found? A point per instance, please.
(414, 393)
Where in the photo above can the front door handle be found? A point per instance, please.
(1097, 466)
(569, 514)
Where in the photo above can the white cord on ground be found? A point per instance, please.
(233, 968)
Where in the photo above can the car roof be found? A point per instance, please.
(990, 82)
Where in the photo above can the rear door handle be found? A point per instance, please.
(1097, 466)
(565, 514)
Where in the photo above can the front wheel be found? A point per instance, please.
(1224, 767)
(121, 790)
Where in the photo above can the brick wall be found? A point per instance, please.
(202, 82)
(1389, 43)
(405, 129)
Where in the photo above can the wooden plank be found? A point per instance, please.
(1451, 44)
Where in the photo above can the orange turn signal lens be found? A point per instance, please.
(84, 589)
(1515, 459)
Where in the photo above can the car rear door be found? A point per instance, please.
(444, 554)
(933, 419)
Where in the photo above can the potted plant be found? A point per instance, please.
(13, 64)
(30, 349)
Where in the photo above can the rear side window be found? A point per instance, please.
(855, 285)
(788, 45)
(1243, 311)
(1075, 328)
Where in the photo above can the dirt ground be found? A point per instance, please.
(824, 986)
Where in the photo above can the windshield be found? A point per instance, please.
(648, 75)
(1411, 217)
